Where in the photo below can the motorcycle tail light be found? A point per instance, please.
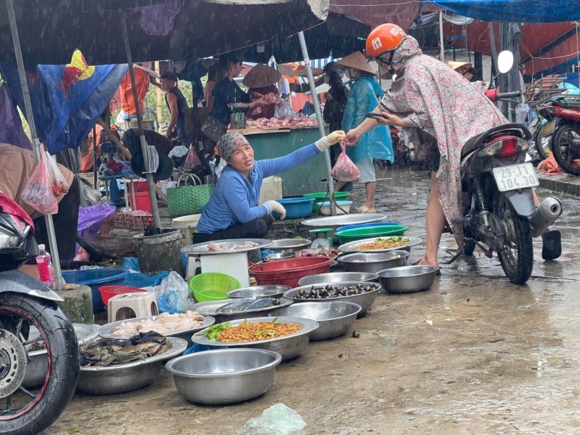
(504, 146)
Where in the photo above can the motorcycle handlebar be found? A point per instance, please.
(508, 95)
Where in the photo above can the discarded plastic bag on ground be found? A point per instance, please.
(172, 303)
(344, 169)
(38, 191)
(57, 180)
(276, 420)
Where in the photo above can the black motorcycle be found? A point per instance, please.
(501, 215)
(30, 320)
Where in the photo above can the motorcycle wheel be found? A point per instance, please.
(543, 144)
(517, 255)
(31, 411)
(564, 148)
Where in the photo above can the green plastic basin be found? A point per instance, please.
(368, 232)
(322, 196)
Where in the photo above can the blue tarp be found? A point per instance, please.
(515, 11)
(66, 101)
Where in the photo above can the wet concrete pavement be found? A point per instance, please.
(473, 355)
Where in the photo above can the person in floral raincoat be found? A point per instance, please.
(430, 96)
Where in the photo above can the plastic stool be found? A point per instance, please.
(131, 305)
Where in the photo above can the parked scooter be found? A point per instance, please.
(28, 310)
(501, 215)
(563, 113)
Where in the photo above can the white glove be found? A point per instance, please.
(327, 141)
(275, 206)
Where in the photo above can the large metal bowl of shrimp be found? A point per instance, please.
(170, 325)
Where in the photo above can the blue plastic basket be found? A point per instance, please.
(95, 278)
(296, 208)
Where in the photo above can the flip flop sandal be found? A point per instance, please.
(438, 273)
(552, 241)
(365, 210)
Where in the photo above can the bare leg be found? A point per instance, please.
(339, 185)
(434, 225)
(370, 188)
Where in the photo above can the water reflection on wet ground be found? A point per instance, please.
(473, 355)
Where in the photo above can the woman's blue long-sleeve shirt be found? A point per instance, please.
(235, 198)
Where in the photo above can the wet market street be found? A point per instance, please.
(473, 355)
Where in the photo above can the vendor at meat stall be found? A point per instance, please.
(233, 211)
(261, 81)
(227, 92)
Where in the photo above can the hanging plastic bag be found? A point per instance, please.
(57, 180)
(192, 161)
(38, 191)
(344, 169)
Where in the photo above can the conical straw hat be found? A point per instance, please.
(356, 60)
(261, 76)
(457, 65)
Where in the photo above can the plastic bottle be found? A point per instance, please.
(45, 270)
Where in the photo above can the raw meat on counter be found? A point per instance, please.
(164, 324)
(300, 121)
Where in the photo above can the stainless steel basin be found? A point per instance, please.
(409, 279)
(224, 376)
(373, 263)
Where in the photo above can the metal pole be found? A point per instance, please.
(36, 145)
(148, 176)
(318, 118)
(95, 170)
(441, 37)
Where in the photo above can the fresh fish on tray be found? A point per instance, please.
(247, 305)
(234, 307)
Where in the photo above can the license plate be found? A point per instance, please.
(548, 128)
(515, 177)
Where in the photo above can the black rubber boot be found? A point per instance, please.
(552, 248)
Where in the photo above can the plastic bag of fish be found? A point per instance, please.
(106, 352)
(242, 305)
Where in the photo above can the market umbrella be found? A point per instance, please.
(261, 76)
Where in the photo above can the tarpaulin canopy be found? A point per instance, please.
(339, 36)
(66, 105)
(545, 48)
(377, 12)
(51, 30)
(515, 11)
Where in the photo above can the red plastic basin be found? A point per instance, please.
(108, 291)
(289, 272)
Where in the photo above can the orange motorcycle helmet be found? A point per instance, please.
(385, 38)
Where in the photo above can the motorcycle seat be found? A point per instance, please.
(477, 142)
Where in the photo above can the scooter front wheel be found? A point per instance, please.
(517, 255)
(25, 322)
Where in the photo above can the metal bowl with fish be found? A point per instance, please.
(108, 330)
(259, 292)
(288, 346)
(224, 311)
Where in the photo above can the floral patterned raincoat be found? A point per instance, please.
(445, 105)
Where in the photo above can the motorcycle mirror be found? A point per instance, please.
(505, 61)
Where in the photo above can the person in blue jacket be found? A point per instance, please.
(233, 211)
(376, 144)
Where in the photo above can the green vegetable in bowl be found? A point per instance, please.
(214, 331)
